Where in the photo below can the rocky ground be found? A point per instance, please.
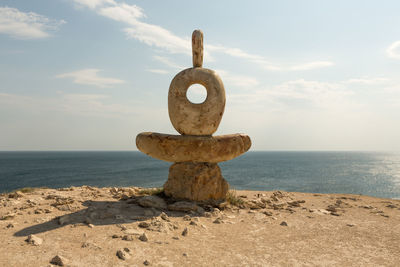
(88, 226)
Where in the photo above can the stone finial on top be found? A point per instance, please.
(197, 48)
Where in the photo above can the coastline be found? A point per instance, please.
(93, 226)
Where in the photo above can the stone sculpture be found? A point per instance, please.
(195, 174)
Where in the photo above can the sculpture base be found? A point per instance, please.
(196, 181)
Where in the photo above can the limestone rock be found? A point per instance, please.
(268, 213)
(144, 225)
(218, 220)
(88, 220)
(164, 216)
(185, 232)
(133, 231)
(123, 255)
(127, 238)
(196, 119)
(184, 206)
(16, 194)
(196, 181)
(183, 148)
(152, 202)
(34, 240)
(63, 220)
(8, 216)
(143, 237)
(90, 245)
(59, 261)
(187, 218)
(197, 48)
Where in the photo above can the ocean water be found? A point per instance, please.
(367, 173)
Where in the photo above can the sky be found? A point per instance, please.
(298, 75)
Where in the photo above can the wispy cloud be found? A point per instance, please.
(366, 80)
(152, 35)
(93, 104)
(22, 25)
(311, 65)
(241, 81)
(80, 104)
(393, 51)
(265, 63)
(320, 94)
(90, 77)
(157, 36)
(159, 71)
(295, 95)
(92, 4)
(168, 62)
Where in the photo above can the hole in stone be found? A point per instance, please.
(196, 93)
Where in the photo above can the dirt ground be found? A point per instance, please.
(88, 226)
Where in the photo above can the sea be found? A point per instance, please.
(366, 173)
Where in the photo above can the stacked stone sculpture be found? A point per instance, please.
(195, 174)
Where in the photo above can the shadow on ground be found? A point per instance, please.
(99, 213)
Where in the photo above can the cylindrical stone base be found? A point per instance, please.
(196, 181)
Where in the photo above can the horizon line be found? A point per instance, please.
(255, 150)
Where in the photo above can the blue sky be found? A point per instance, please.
(298, 75)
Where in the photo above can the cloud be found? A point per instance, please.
(168, 62)
(92, 4)
(92, 104)
(90, 77)
(157, 36)
(242, 81)
(159, 71)
(79, 104)
(267, 65)
(318, 93)
(238, 53)
(152, 35)
(21, 25)
(296, 95)
(311, 65)
(393, 51)
(366, 80)
(122, 12)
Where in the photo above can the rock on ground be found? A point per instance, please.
(59, 261)
(123, 254)
(152, 202)
(184, 206)
(34, 240)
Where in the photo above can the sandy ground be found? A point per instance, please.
(89, 226)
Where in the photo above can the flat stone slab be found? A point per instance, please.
(192, 148)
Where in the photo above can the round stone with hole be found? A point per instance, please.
(196, 119)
